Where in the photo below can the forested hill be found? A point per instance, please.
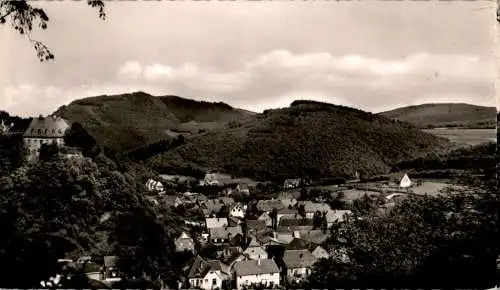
(306, 139)
(129, 121)
(446, 115)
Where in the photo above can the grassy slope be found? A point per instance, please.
(446, 115)
(129, 121)
(308, 137)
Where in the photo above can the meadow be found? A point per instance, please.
(465, 136)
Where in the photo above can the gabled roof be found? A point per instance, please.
(223, 233)
(183, 235)
(313, 207)
(285, 195)
(288, 211)
(320, 252)
(253, 243)
(110, 261)
(317, 237)
(269, 205)
(227, 201)
(255, 250)
(298, 244)
(336, 215)
(256, 267)
(294, 222)
(298, 259)
(216, 222)
(257, 225)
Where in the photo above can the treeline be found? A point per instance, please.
(424, 242)
(470, 158)
(313, 141)
(62, 218)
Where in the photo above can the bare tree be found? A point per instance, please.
(23, 16)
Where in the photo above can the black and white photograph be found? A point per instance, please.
(223, 145)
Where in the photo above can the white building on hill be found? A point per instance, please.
(405, 181)
(47, 130)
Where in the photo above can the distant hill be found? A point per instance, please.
(446, 115)
(129, 121)
(306, 139)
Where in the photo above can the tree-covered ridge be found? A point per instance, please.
(77, 206)
(307, 139)
(128, 121)
(474, 158)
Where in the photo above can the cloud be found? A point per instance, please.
(365, 82)
(276, 78)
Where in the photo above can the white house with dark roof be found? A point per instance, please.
(205, 274)
(47, 130)
(154, 185)
(255, 251)
(238, 210)
(184, 243)
(263, 271)
(224, 235)
(336, 216)
(298, 264)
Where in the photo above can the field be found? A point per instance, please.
(465, 136)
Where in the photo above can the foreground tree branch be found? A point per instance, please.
(22, 16)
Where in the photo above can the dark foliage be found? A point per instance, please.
(48, 151)
(311, 141)
(475, 158)
(78, 137)
(53, 209)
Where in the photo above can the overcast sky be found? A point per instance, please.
(373, 55)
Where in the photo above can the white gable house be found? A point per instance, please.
(405, 181)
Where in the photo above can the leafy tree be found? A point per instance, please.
(48, 151)
(23, 16)
(78, 137)
(425, 242)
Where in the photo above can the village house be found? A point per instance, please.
(153, 185)
(296, 224)
(317, 237)
(320, 253)
(49, 130)
(287, 213)
(282, 237)
(298, 264)
(255, 226)
(264, 272)
(172, 201)
(243, 188)
(336, 216)
(184, 243)
(266, 218)
(211, 207)
(205, 274)
(287, 198)
(238, 210)
(111, 273)
(92, 271)
(212, 223)
(402, 180)
(255, 251)
(227, 201)
(311, 208)
(268, 205)
(224, 235)
(291, 183)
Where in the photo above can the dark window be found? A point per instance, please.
(39, 131)
(53, 130)
(45, 131)
(214, 281)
